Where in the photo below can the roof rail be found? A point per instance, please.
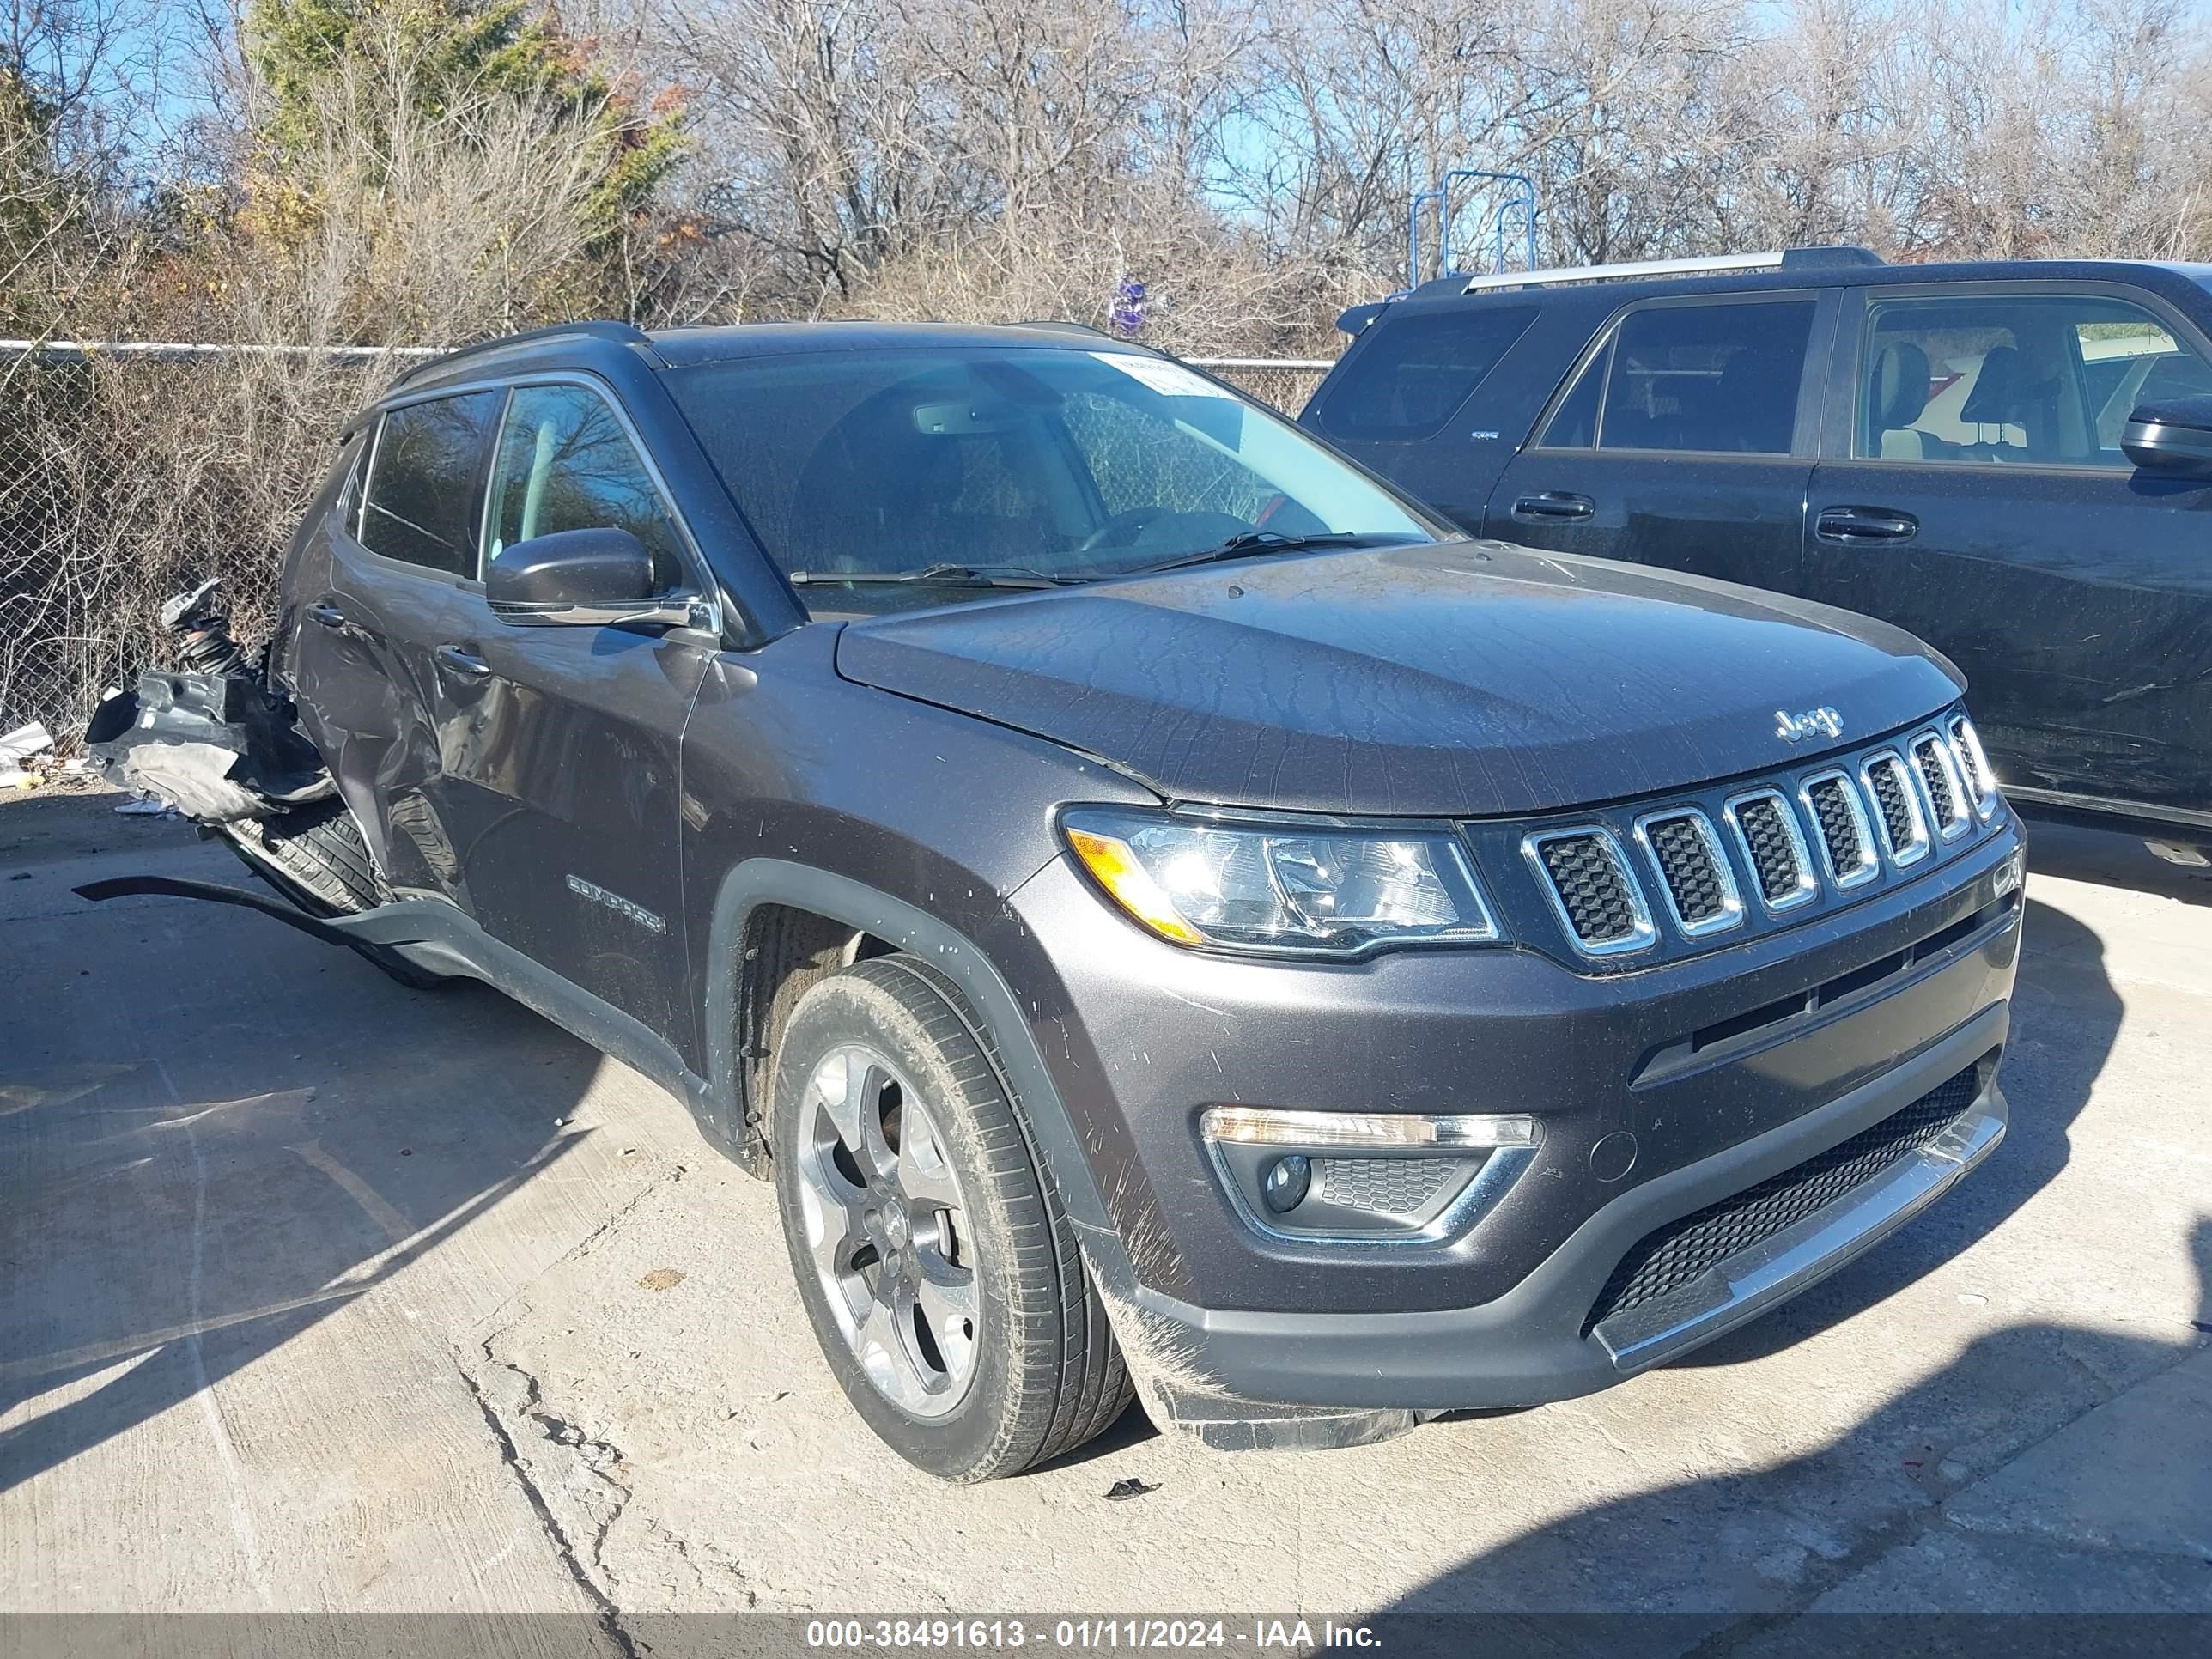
(1775, 259)
(590, 328)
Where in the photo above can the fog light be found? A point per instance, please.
(1283, 1188)
(2009, 872)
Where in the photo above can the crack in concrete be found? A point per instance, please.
(609, 1615)
(596, 1460)
(495, 1325)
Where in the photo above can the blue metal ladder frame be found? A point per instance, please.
(1524, 198)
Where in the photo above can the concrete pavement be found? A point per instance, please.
(325, 1295)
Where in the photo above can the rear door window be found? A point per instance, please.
(1408, 379)
(566, 463)
(1991, 379)
(1573, 424)
(1710, 380)
(421, 504)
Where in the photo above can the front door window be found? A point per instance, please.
(566, 463)
(1986, 380)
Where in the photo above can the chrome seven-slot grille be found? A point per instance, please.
(1594, 890)
(1841, 828)
(1775, 848)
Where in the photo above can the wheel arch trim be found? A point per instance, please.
(985, 998)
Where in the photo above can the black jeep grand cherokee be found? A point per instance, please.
(1162, 909)
(2010, 459)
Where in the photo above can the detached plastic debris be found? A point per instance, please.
(211, 738)
(18, 747)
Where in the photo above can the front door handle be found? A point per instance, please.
(1553, 506)
(462, 663)
(1855, 526)
(328, 615)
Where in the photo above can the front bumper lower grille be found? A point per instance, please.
(1673, 1258)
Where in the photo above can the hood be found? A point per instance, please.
(1458, 679)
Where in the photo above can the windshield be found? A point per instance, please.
(1059, 463)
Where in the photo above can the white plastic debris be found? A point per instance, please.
(144, 809)
(18, 745)
(24, 742)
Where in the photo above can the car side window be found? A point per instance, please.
(1573, 424)
(566, 463)
(1405, 382)
(1715, 380)
(419, 502)
(1987, 378)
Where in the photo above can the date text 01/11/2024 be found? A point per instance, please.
(1259, 1635)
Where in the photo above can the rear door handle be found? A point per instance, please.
(1554, 506)
(462, 663)
(328, 615)
(1857, 525)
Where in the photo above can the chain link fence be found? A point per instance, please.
(131, 472)
(1283, 383)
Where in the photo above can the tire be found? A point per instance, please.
(320, 853)
(945, 1185)
(317, 858)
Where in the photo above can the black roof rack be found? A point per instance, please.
(590, 328)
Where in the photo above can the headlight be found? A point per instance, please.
(1286, 887)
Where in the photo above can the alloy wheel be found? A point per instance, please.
(886, 1229)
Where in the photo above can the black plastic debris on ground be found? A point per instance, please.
(1128, 1487)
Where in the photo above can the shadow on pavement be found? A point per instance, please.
(215, 1133)
(2066, 1016)
(2109, 859)
(2100, 1525)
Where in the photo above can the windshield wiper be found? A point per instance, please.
(1249, 541)
(938, 575)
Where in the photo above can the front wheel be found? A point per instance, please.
(316, 857)
(934, 1260)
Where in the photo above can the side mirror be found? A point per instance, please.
(582, 578)
(2172, 436)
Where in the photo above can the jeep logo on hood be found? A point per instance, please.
(1823, 721)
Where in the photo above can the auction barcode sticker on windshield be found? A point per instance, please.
(1162, 375)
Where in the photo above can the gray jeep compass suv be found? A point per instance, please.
(1166, 912)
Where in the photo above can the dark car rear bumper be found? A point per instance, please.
(1529, 1345)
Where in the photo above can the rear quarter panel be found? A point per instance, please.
(1453, 470)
